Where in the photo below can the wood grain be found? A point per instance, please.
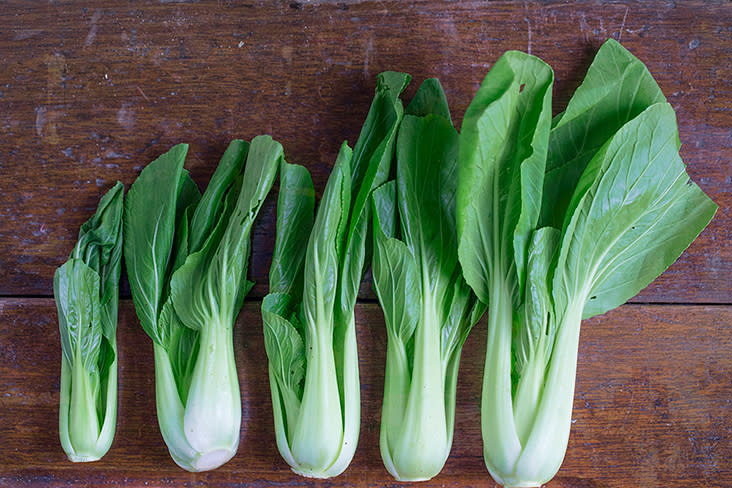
(91, 93)
(652, 405)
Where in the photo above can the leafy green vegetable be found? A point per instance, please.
(618, 208)
(428, 307)
(616, 89)
(503, 148)
(86, 289)
(187, 257)
(317, 266)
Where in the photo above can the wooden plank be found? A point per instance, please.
(652, 405)
(89, 95)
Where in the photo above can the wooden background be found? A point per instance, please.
(90, 92)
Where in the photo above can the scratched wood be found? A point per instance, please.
(89, 93)
(652, 405)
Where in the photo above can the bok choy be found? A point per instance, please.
(317, 266)
(561, 220)
(428, 306)
(187, 257)
(86, 289)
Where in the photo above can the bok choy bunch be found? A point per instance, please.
(86, 289)
(317, 266)
(428, 306)
(187, 257)
(560, 220)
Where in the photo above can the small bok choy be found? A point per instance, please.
(317, 266)
(560, 220)
(86, 289)
(428, 307)
(187, 257)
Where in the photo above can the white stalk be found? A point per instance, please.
(316, 442)
(420, 449)
(544, 451)
(212, 417)
(501, 444)
(203, 434)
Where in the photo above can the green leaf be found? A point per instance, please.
(182, 345)
(503, 148)
(232, 260)
(534, 314)
(370, 166)
(378, 129)
(212, 282)
(99, 235)
(188, 198)
(395, 273)
(76, 288)
(207, 210)
(180, 241)
(427, 153)
(616, 89)
(325, 246)
(100, 247)
(107, 400)
(189, 284)
(283, 342)
(462, 313)
(429, 99)
(386, 213)
(633, 213)
(295, 207)
(150, 216)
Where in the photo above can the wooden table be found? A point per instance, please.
(90, 93)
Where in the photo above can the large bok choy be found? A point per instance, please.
(558, 221)
(428, 307)
(86, 289)
(317, 266)
(187, 257)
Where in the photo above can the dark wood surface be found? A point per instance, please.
(652, 405)
(90, 93)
